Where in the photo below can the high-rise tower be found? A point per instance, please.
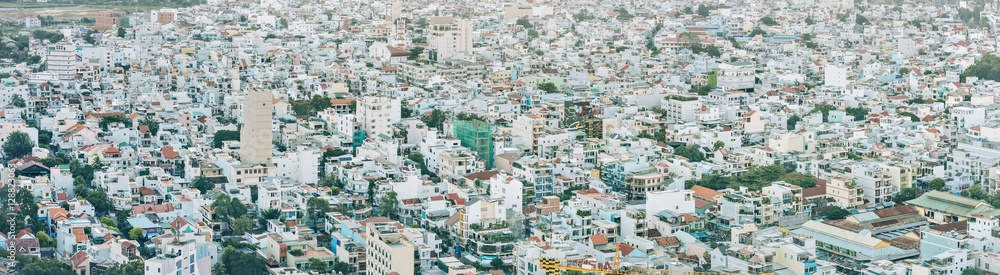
(255, 137)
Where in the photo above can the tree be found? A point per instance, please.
(792, 121)
(692, 153)
(108, 120)
(17, 101)
(703, 10)
(137, 234)
(858, 113)
(835, 213)
(688, 10)
(343, 268)
(18, 145)
(435, 119)
(100, 201)
(107, 221)
(767, 20)
(131, 268)
(973, 271)
(236, 208)
(548, 87)
(807, 36)
(121, 32)
(809, 21)
(689, 38)
(861, 20)
(824, 109)
(203, 184)
(935, 184)
(224, 135)
(320, 103)
(235, 262)
(904, 71)
(713, 51)
(389, 204)
(269, 214)
(302, 108)
(44, 240)
(47, 267)
(964, 14)
(221, 205)
(623, 14)
(718, 145)
(415, 53)
(755, 32)
(283, 22)
(149, 121)
(218, 269)
(524, 23)
(906, 194)
(317, 265)
(496, 263)
(317, 207)
(986, 68)
(243, 224)
(976, 192)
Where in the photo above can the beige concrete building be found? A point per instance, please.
(846, 192)
(387, 250)
(255, 137)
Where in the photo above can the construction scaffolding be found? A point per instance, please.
(477, 135)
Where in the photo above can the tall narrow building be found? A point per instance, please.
(255, 137)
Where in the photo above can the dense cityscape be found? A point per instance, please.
(387, 137)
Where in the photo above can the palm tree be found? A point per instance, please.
(218, 269)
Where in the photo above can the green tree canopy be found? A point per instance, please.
(17, 101)
(985, 68)
(46, 267)
(100, 201)
(108, 120)
(18, 144)
(235, 262)
(792, 121)
(131, 268)
(548, 87)
(203, 184)
(906, 194)
(767, 20)
(137, 234)
(389, 204)
(317, 266)
(224, 135)
(693, 153)
(935, 184)
(152, 123)
(242, 224)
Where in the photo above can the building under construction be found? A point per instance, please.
(477, 135)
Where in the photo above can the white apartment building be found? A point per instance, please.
(528, 128)
(61, 61)
(184, 258)
(736, 75)
(680, 108)
(449, 37)
(835, 76)
(377, 114)
(299, 165)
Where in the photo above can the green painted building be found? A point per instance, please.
(477, 135)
